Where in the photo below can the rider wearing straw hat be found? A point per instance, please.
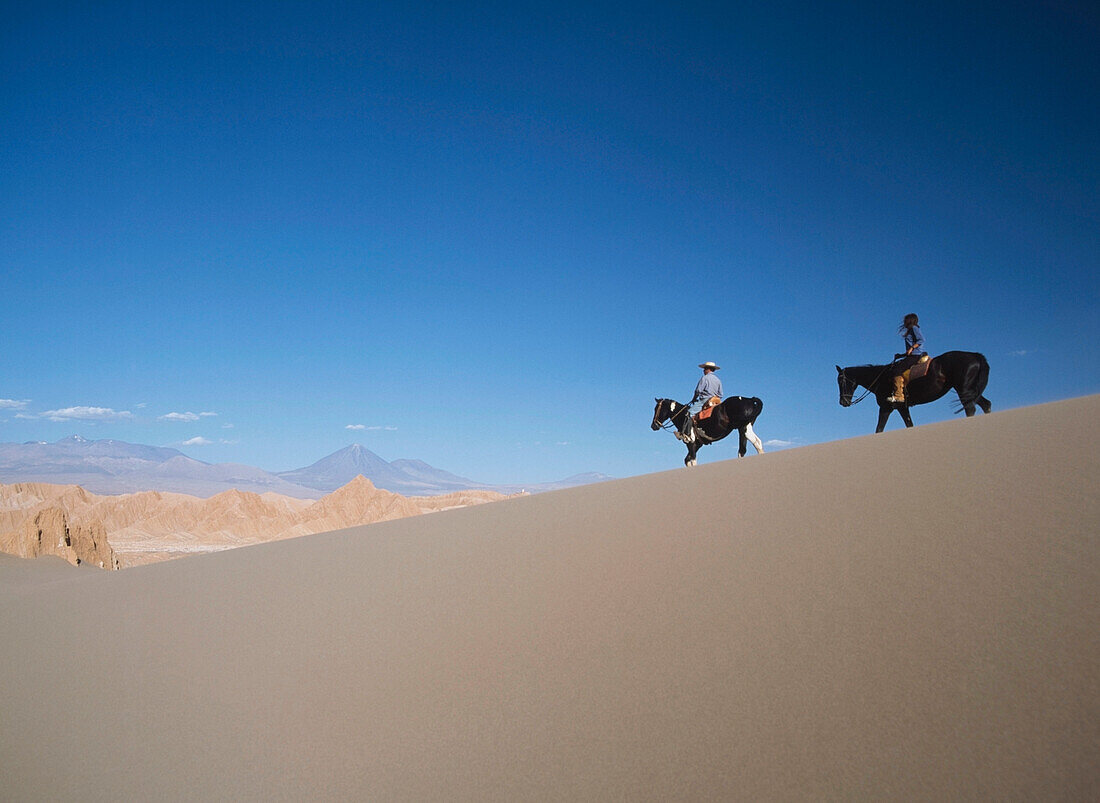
(708, 387)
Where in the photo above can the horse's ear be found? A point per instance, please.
(839, 369)
(656, 400)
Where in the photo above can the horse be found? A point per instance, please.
(965, 372)
(735, 413)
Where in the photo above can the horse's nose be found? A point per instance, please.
(654, 426)
(845, 402)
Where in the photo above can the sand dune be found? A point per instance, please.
(912, 615)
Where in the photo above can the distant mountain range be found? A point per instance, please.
(114, 467)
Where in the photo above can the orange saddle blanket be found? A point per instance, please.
(704, 414)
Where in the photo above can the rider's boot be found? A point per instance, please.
(687, 432)
(899, 391)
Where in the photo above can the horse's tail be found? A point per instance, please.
(973, 385)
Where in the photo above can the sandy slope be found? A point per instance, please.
(912, 615)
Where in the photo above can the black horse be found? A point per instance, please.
(966, 372)
(735, 413)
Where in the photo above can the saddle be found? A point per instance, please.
(918, 370)
(708, 408)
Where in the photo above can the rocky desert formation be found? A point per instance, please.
(133, 529)
(46, 530)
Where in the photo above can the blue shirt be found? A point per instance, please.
(708, 386)
(914, 338)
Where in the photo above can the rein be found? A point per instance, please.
(667, 423)
(871, 384)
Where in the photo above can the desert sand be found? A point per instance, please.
(912, 615)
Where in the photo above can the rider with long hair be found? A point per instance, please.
(914, 351)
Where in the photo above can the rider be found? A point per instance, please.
(709, 386)
(914, 350)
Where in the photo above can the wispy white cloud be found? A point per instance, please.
(179, 417)
(207, 415)
(13, 404)
(775, 443)
(87, 414)
(228, 426)
(359, 427)
(199, 441)
(1021, 352)
(356, 426)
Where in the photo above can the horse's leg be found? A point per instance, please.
(742, 446)
(753, 438)
(981, 401)
(692, 449)
(883, 414)
(904, 410)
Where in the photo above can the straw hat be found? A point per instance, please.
(709, 365)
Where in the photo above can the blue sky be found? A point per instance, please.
(488, 235)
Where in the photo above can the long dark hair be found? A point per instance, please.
(910, 321)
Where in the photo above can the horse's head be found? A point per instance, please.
(847, 387)
(662, 412)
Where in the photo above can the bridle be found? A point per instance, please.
(871, 384)
(667, 423)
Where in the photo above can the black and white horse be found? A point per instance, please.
(735, 413)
